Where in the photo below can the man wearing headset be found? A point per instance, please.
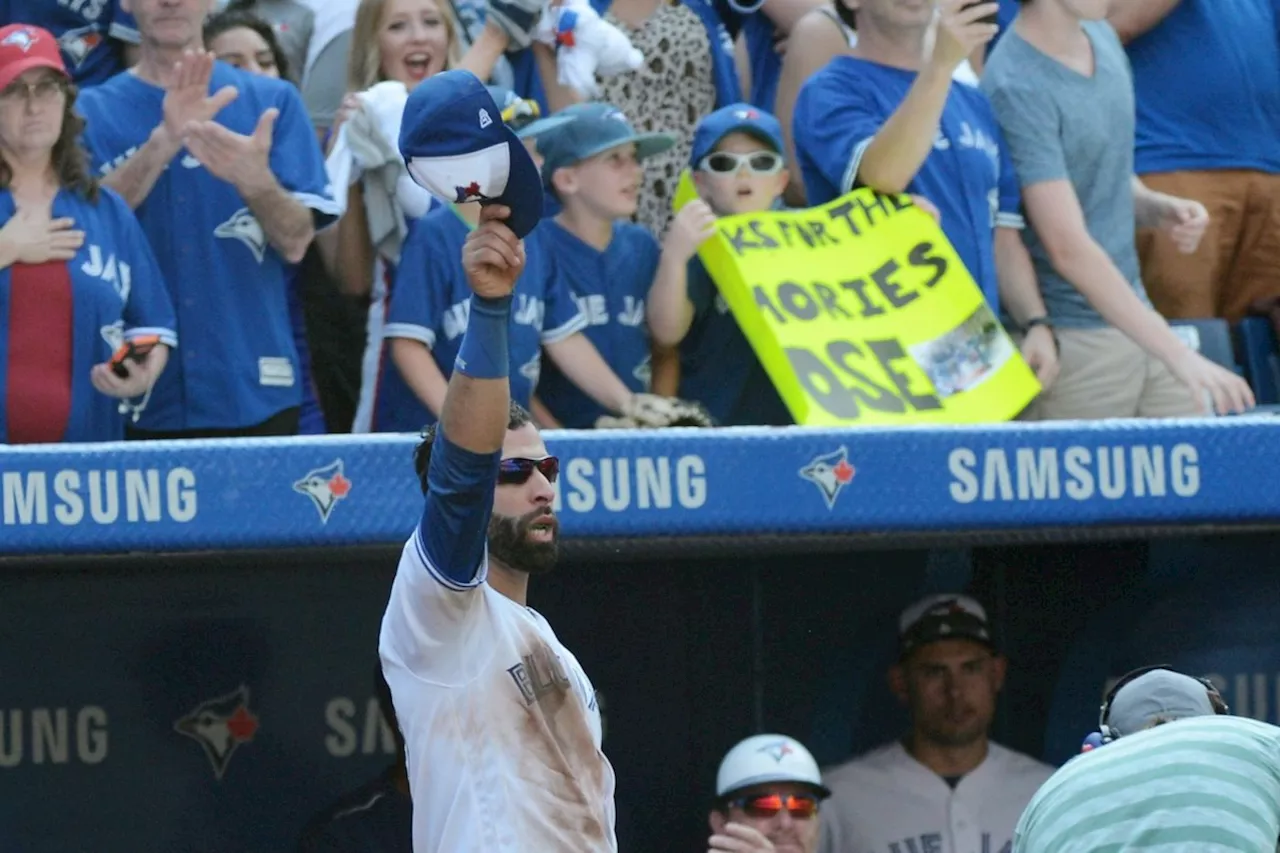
(1208, 782)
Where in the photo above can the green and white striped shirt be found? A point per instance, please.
(1199, 785)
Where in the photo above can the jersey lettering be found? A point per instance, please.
(539, 674)
(116, 273)
(930, 842)
(528, 311)
(116, 162)
(90, 10)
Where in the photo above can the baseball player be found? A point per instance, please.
(944, 787)
(768, 791)
(1175, 772)
(225, 175)
(501, 725)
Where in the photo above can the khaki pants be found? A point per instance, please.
(1238, 261)
(1103, 374)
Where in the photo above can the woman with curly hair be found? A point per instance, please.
(77, 277)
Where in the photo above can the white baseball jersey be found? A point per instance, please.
(887, 802)
(501, 725)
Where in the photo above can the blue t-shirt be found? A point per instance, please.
(117, 293)
(431, 303)
(238, 365)
(968, 175)
(1207, 81)
(91, 33)
(610, 288)
(718, 367)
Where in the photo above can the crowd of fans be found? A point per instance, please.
(209, 230)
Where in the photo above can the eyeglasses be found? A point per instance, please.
(768, 805)
(517, 471)
(42, 90)
(758, 163)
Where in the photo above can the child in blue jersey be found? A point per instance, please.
(429, 313)
(737, 167)
(592, 168)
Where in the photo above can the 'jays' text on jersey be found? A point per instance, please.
(116, 293)
(887, 802)
(610, 288)
(502, 728)
(431, 301)
(91, 33)
(718, 367)
(968, 175)
(1208, 784)
(238, 366)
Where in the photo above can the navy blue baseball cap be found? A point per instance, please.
(456, 146)
(735, 118)
(592, 129)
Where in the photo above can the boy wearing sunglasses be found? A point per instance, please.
(768, 790)
(738, 167)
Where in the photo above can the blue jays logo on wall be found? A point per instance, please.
(220, 726)
(776, 751)
(326, 487)
(830, 472)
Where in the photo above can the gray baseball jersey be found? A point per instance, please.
(887, 802)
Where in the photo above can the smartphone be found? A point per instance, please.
(135, 349)
(993, 18)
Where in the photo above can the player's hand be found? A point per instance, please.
(493, 257)
(739, 838)
(32, 237)
(1212, 384)
(187, 99)
(142, 375)
(1040, 352)
(691, 227)
(1184, 220)
(960, 31)
(242, 161)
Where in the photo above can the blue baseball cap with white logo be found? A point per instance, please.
(457, 147)
(735, 118)
(591, 129)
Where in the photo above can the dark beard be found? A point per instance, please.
(509, 543)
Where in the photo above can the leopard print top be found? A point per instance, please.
(670, 92)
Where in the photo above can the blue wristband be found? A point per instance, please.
(483, 354)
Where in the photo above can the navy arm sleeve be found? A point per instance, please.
(455, 521)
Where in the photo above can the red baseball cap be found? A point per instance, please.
(23, 47)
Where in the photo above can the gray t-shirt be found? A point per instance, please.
(1061, 125)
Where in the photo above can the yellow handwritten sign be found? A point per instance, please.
(862, 313)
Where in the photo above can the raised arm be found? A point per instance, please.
(463, 471)
(1134, 19)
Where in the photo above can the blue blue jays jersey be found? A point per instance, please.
(718, 367)
(238, 365)
(116, 294)
(430, 304)
(91, 33)
(610, 288)
(968, 175)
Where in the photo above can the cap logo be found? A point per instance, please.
(745, 114)
(616, 115)
(777, 751)
(22, 39)
(470, 192)
(485, 121)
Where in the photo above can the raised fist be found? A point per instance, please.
(492, 256)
